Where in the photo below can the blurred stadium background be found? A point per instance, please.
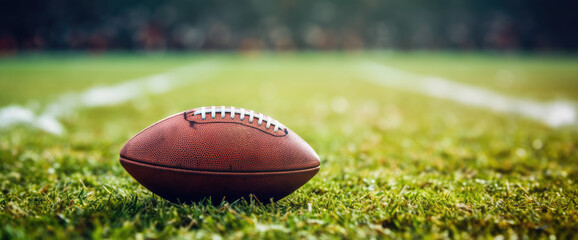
(466, 129)
(531, 25)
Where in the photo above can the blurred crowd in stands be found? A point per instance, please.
(288, 25)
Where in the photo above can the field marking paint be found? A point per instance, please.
(67, 103)
(553, 113)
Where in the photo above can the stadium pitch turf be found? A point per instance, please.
(395, 163)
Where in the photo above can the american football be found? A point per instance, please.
(219, 153)
(352, 119)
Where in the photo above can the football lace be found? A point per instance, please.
(242, 113)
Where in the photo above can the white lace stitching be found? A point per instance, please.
(242, 113)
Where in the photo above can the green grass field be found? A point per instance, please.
(394, 164)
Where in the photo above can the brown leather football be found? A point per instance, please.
(219, 152)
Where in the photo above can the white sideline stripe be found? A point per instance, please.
(103, 96)
(553, 113)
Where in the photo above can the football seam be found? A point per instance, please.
(154, 124)
(214, 171)
(240, 123)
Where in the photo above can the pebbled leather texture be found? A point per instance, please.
(188, 158)
(178, 185)
(219, 145)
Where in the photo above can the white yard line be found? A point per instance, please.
(553, 113)
(67, 103)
